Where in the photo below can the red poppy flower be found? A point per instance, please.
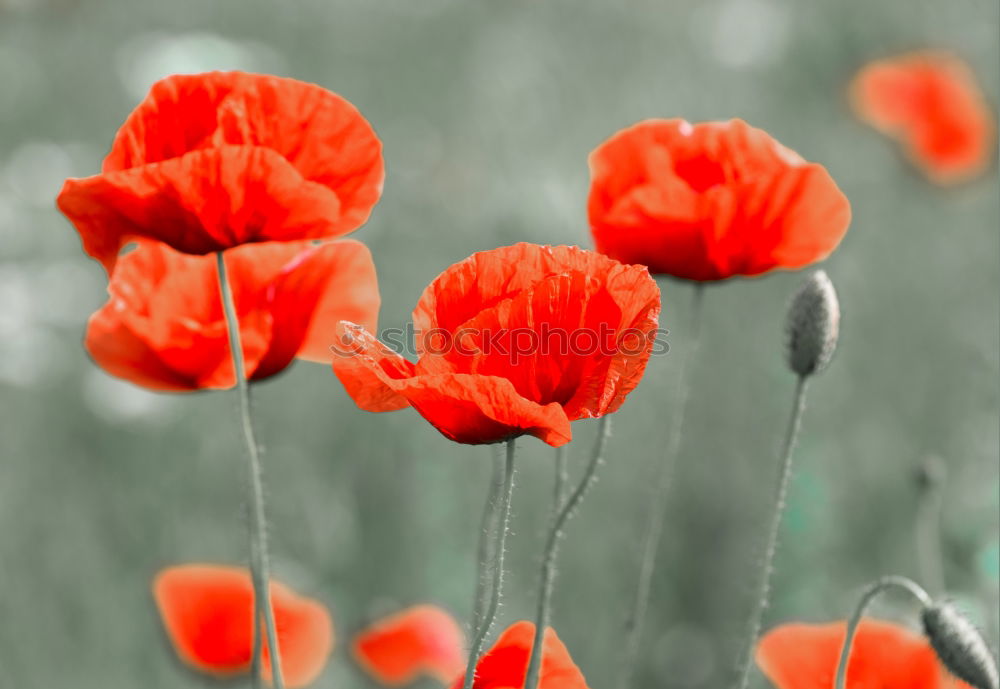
(506, 664)
(423, 639)
(932, 104)
(164, 327)
(805, 656)
(212, 161)
(710, 201)
(512, 341)
(207, 611)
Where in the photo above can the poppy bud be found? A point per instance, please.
(812, 325)
(960, 646)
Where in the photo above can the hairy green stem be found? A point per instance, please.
(564, 510)
(561, 479)
(258, 522)
(503, 524)
(771, 545)
(658, 507)
(869, 595)
(487, 539)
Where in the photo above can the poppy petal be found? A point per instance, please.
(931, 102)
(505, 665)
(305, 637)
(710, 201)
(423, 639)
(164, 328)
(169, 302)
(468, 287)
(362, 363)
(350, 293)
(120, 351)
(207, 611)
(204, 201)
(321, 134)
(317, 287)
(805, 656)
(640, 211)
(574, 351)
(478, 410)
(564, 324)
(466, 408)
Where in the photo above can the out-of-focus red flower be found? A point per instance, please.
(884, 655)
(212, 161)
(513, 341)
(423, 639)
(506, 664)
(164, 327)
(710, 201)
(931, 103)
(207, 611)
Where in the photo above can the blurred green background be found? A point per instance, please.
(487, 110)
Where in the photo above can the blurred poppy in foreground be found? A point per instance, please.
(506, 664)
(211, 161)
(207, 611)
(164, 328)
(885, 655)
(513, 341)
(423, 639)
(710, 201)
(931, 103)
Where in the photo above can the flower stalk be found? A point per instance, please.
(883, 584)
(771, 544)
(487, 539)
(257, 519)
(658, 507)
(812, 327)
(561, 479)
(564, 510)
(492, 568)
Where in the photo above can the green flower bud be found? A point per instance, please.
(960, 646)
(812, 325)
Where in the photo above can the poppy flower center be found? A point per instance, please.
(700, 172)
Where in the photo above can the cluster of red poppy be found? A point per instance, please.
(207, 611)
(269, 172)
(256, 167)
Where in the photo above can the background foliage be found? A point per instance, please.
(487, 109)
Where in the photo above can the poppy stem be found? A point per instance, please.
(869, 595)
(502, 522)
(561, 479)
(258, 523)
(771, 545)
(564, 510)
(658, 507)
(487, 537)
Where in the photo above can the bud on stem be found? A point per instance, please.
(960, 646)
(956, 642)
(812, 325)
